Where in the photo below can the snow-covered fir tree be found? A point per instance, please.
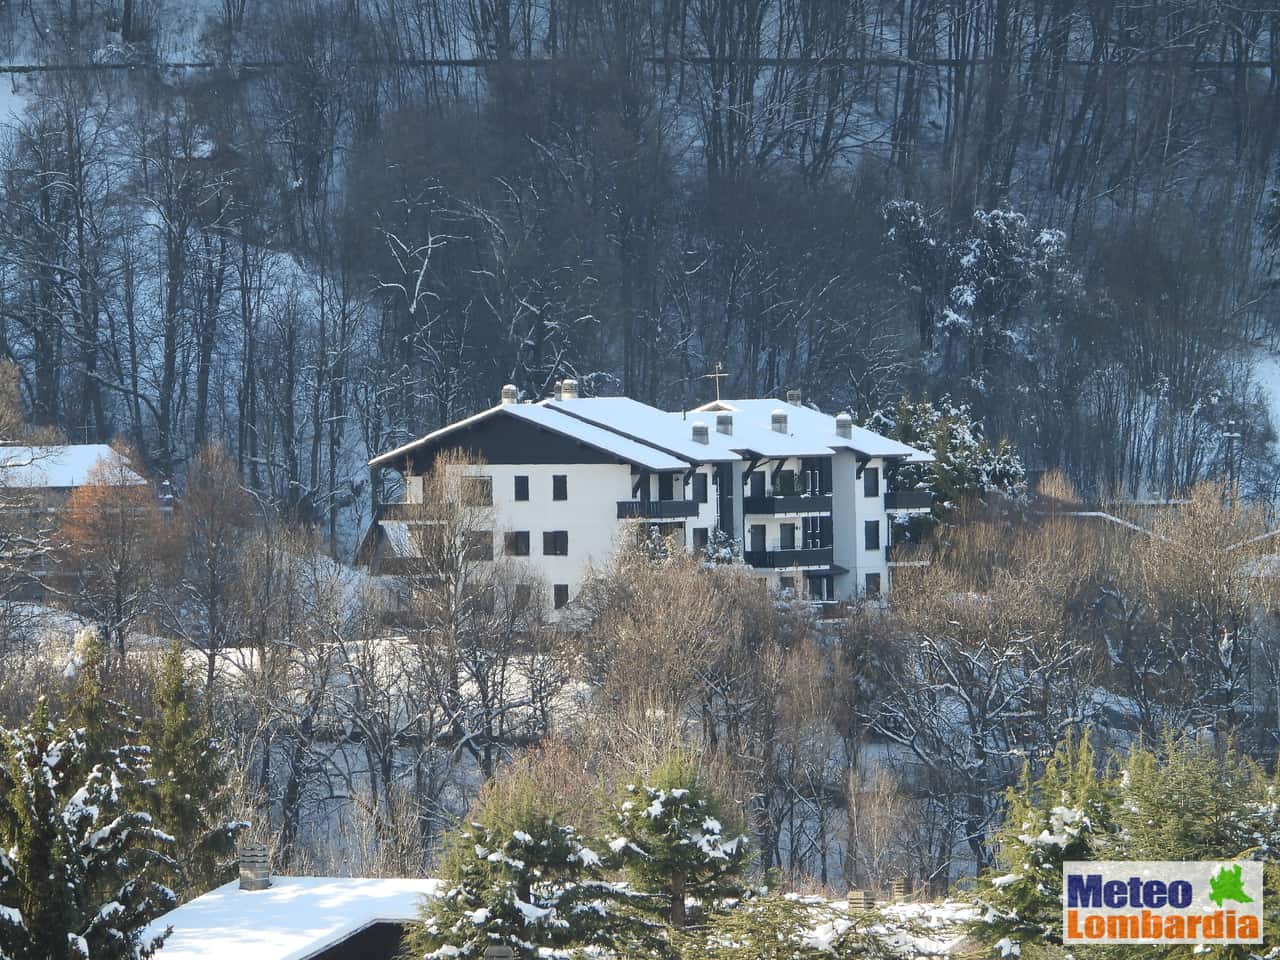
(1184, 800)
(670, 832)
(78, 861)
(518, 875)
(1063, 815)
(966, 463)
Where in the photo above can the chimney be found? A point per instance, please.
(844, 425)
(700, 434)
(510, 394)
(779, 421)
(255, 868)
(569, 390)
(724, 423)
(793, 397)
(558, 390)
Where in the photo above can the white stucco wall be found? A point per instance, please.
(589, 515)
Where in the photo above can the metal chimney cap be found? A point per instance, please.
(793, 397)
(509, 393)
(844, 425)
(779, 420)
(569, 390)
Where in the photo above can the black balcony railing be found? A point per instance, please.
(792, 503)
(776, 559)
(908, 500)
(657, 509)
(403, 511)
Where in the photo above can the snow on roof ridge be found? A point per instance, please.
(592, 435)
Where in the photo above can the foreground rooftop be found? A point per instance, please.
(296, 918)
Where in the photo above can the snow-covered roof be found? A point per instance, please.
(606, 441)
(62, 466)
(649, 425)
(294, 918)
(814, 427)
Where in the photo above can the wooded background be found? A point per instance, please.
(311, 229)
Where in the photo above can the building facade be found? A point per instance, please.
(797, 495)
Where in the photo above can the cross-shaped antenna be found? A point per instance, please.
(716, 377)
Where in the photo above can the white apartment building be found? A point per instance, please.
(803, 494)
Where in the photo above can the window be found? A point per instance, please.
(785, 484)
(871, 534)
(820, 588)
(700, 538)
(484, 600)
(477, 491)
(757, 483)
(520, 599)
(518, 543)
(666, 486)
(479, 545)
(560, 595)
(817, 532)
(871, 482)
(873, 585)
(788, 536)
(555, 543)
(522, 488)
(700, 488)
(757, 536)
(787, 584)
(559, 487)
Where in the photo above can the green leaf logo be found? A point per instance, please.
(1228, 884)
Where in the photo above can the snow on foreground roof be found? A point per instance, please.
(294, 918)
(67, 465)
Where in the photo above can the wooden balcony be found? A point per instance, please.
(907, 501)
(791, 503)
(783, 559)
(657, 509)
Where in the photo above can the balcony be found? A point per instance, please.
(791, 503)
(903, 501)
(409, 512)
(781, 559)
(657, 509)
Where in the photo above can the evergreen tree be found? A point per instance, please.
(76, 878)
(1064, 815)
(518, 875)
(1186, 801)
(966, 464)
(190, 797)
(669, 833)
(785, 928)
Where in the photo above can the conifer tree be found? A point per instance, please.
(1063, 815)
(519, 875)
(786, 927)
(190, 797)
(669, 833)
(77, 872)
(966, 463)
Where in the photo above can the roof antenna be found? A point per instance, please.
(716, 377)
